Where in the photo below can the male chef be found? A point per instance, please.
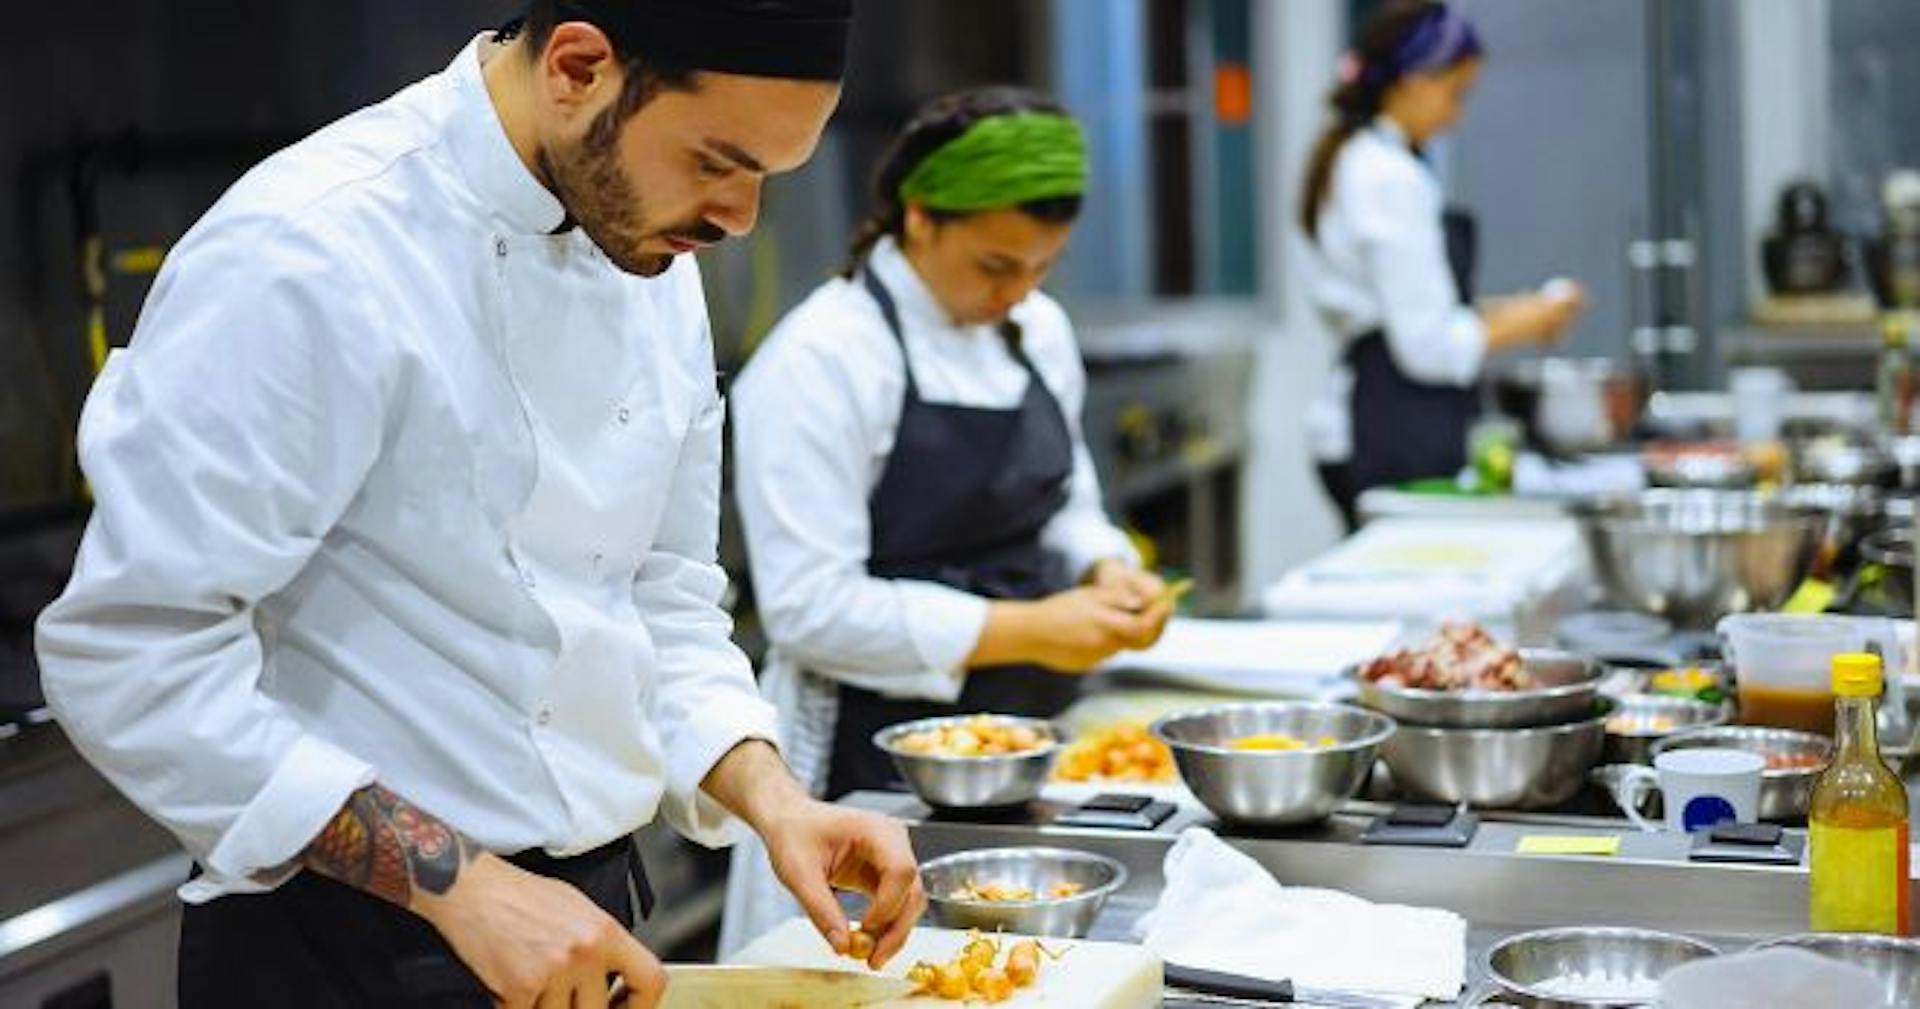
(399, 604)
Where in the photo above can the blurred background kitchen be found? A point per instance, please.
(1733, 182)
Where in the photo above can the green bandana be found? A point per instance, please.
(1002, 161)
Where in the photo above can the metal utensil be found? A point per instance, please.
(1274, 787)
(1221, 988)
(1586, 968)
(1641, 720)
(1694, 556)
(1523, 768)
(972, 782)
(1568, 684)
(728, 986)
(1785, 792)
(1037, 869)
(1895, 961)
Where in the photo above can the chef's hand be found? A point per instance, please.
(1140, 591)
(1070, 632)
(1536, 319)
(535, 941)
(816, 847)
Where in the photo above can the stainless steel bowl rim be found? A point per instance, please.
(1801, 739)
(883, 739)
(1864, 940)
(1384, 727)
(1718, 712)
(1606, 708)
(1101, 892)
(1595, 673)
(1578, 932)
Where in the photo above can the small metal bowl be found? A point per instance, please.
(983, 782)
(1895, 961)
(1528, 768)
(1274, 788)
(1641, 720)
(1569, 684)
(1038, 869)
(1785, 793)
(1585, 968)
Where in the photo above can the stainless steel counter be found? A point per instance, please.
(1649, 884)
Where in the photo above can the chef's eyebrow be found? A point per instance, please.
(733, 153)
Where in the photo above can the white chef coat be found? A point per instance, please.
(1379, 261)
(393, 484)
(814, 415)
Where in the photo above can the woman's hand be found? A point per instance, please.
(1535, 319)
(1070, 632)
(1134, 588)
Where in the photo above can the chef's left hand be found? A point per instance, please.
(1136, 590)
(818, 847)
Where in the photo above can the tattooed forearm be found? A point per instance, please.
(387, 846)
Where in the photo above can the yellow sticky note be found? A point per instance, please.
(1568, 844)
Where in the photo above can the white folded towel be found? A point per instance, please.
(1221, 911)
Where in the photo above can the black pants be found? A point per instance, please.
(315, 943)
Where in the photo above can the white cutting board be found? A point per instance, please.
(1091, 975)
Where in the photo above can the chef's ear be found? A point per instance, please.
(917, 225)
(577, 66)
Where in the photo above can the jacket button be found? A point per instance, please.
(624, 415)
(545, 716)
(499, 246)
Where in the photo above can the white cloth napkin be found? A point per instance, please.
(1222, 911)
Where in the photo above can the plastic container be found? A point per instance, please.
(1781, 664)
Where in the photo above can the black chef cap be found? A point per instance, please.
(804, 39)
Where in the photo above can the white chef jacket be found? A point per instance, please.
(394, 484)
(814, 415)
(1379, 261)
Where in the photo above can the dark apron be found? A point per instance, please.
(964, 496)
(316, 943)
(1403, 429)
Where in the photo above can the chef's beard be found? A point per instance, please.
(587, 179)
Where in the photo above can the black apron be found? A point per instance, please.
(1404, 429)
(316, 943)
(964, 496)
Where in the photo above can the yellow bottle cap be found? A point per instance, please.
(1856, 674)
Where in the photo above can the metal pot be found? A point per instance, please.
(1584, 968)
(1694, 556)
(1266, 787)
(1530, 768)
(1568, 685)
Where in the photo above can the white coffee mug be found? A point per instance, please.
(1698, 787)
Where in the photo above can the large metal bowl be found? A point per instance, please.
(1037, 869)
(1694, 556)
(1526, 768)
(1785, 793)
(1642, 720)
(1274, 788)
(1568, 685)
(1895, 961)
(972, 782)
(1584, 968)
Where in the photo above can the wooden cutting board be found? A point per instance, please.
(1091, 975)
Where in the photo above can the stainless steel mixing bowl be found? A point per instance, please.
(972, 782)
(1694, 556)
(1585, 968)
(1274, 788)
(1568, 684)
(1895, 961)
(1523, 768)
(1036, 869)
(1643, 720)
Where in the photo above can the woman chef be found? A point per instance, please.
(922, 518)
(1392, 272)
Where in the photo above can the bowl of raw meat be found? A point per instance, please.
(1464, 679)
